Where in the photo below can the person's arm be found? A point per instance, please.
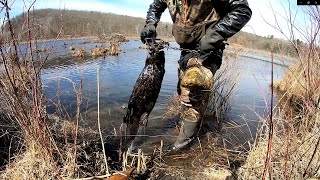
(153, 17)
(155, 11)
(237, 15)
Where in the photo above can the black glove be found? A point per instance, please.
(210, 53)
(212, 43)
(149, 31)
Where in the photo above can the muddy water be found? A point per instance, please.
(62, 75)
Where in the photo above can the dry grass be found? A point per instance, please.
(80, 52)
(49, 152)
(113, 50)
(225, 81)
(295, 141)
(300, 82)
(53, 147)
(293, 149)
(32, 164)
(290, 83)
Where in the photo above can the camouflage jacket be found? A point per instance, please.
(220, 18)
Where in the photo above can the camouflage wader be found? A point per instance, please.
(196, 79)
(204, 24)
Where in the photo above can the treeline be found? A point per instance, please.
(48, 23)
(266, 43)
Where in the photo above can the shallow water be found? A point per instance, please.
(118, 74)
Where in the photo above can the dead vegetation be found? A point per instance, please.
(118, 38)
(114, 48)
(80, 52)
(22, 96)
(287, 145)
(97, 52)
(88, 161)
(35, 145)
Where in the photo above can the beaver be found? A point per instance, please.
(144, 94)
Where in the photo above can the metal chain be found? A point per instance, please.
(158, 44)
(182, 49)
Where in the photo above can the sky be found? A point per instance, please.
(263, 11)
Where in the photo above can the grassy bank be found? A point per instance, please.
(287, 146)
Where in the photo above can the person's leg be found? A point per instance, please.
(195, 83)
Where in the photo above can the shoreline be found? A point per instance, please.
(261, 52)
(237, 47)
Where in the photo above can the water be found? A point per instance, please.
(62, 76)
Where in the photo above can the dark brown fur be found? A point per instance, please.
(145, 92)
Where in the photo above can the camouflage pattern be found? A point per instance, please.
(198, 12)
(194, 86)
(220, 19)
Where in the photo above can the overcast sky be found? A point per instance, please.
(262, 11)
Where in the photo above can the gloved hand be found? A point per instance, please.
(211, 43)
(211, 51)
(149, 31)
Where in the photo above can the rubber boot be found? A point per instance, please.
(185, 136)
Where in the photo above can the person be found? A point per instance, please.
(204, 26)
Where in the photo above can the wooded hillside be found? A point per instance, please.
(47, 23)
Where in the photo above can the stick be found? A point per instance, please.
(104, 151)
(161, 148)
(225, 151)
(139, 161)
(268, 155)
(144, 165)
(125, 161)
(200, 144)
(287, 148)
